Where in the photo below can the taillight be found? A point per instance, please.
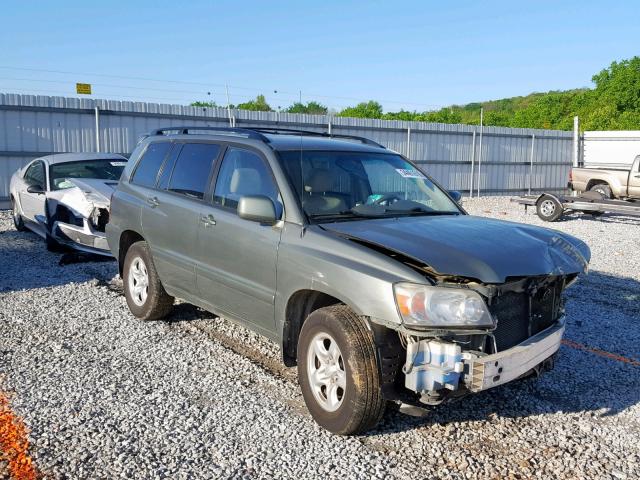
(571, 175)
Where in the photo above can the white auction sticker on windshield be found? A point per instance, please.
(118, 164)
(406, 173)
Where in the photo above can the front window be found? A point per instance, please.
(61, 174)
(345, 185)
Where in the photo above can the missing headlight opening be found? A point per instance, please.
(443, 362)
(99, 218)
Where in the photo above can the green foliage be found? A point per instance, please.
(258, 105)
(613, 104)
(204, 104)
(311, 108)
(370, 109)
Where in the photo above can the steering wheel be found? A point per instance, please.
(388, 198)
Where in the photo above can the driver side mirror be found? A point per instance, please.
(456, 195)
(35, 189)
(257, 208)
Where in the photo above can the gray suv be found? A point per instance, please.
(372, 278)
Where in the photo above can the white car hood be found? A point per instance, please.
(88, 193)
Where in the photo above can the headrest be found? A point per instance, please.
(320, 180)
(245, 181)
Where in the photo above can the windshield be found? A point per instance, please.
(347, 185)
(60, 173)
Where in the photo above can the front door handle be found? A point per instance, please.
(208, 220)
(153, 202)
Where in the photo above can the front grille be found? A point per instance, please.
(511, 311)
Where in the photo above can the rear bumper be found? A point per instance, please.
(500, 368)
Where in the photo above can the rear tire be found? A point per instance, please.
(18, 222)
(603, 189)
(549, 208)
(146, 297)
(338, 371)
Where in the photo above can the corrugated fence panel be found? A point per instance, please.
(32, 126)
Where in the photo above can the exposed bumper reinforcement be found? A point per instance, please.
(499, 368)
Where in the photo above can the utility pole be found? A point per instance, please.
(229, 106)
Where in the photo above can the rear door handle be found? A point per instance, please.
(208, 220)
(153, 202)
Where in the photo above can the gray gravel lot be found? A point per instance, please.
(106, 396)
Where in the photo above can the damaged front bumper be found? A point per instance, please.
(434, 366)
(83, 238)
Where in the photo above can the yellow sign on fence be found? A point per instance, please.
(83, 88)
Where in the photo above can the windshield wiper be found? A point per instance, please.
(420, 211)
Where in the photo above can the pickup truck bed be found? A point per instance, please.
(611, 183)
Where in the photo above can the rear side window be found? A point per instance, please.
(190, 175)
(148, 166)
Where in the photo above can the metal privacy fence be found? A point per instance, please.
(485, 161)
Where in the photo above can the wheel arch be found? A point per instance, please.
(596, 181)
(127, 238)
(299, 306)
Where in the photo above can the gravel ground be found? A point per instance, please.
(106, 396)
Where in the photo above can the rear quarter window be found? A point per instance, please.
(147, 169)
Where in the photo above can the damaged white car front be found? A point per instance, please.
(76, 216)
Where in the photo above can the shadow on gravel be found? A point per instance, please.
(603, 219)
(26, 264)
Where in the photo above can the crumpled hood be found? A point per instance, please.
(475, 247)
(87, 194)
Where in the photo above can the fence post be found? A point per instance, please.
(576, 141)
(533, 142)
(97, 118)
(480, 148)
(409, 143)
(473, 159)
(329, 126)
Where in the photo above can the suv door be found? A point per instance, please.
(236, 268)
(170, 216)
(32, 204)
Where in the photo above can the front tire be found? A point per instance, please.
(146, 297)
(53, 245)
(18, 222)
(338, 371)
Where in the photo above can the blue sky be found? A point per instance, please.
(414, 55)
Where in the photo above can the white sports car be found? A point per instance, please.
(65, 198)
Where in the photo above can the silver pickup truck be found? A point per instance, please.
(372, 278)
(609, 182)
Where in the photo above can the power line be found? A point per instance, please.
(184, 82)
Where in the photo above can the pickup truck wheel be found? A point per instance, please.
(146, 297)
(549, 208)
(338, 371)
(18, 222)
(603, 189)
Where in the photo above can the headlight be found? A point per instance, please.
(441, 307)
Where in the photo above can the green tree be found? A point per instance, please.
(370, 109)
(204, 104)
(258, 105)
(311, 108)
